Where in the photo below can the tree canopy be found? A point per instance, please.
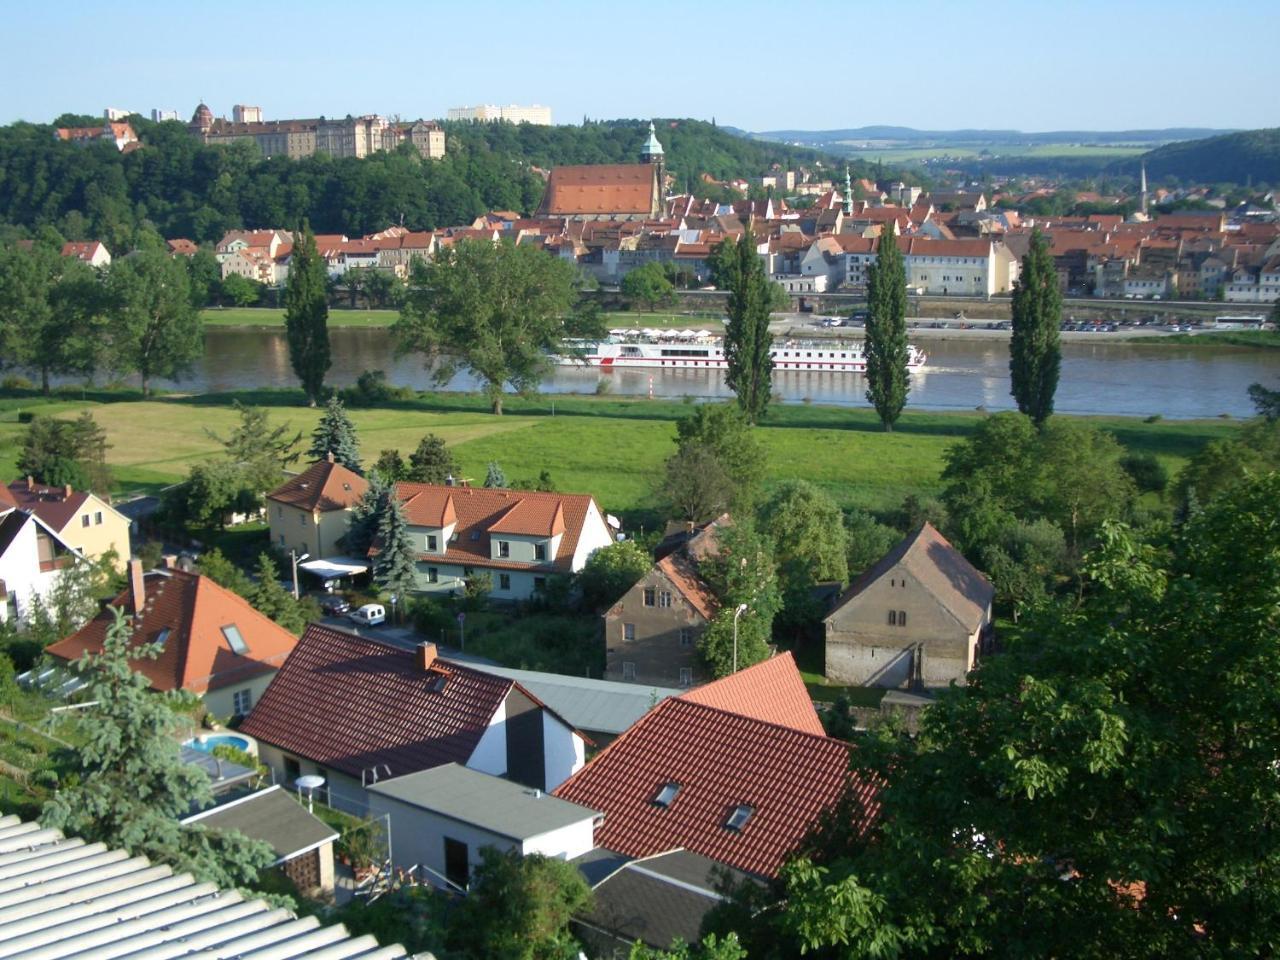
(1035, 353)
(432, 462)
(717, 463)
(496, 310)
(154, 329)
(336, 434)
(886, 343)
(306, 315)
(747, 340)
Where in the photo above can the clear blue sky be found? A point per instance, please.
(1024, 64)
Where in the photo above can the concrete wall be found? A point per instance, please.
(863, 648)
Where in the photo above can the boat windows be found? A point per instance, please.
(677, 352)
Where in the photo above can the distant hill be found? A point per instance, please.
(908, 135)
(1250, 156)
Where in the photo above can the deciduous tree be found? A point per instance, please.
(648, 285)
(886, 344)
(747, 340)
(809, 544)
(390, 466)
(496, 310)
(610, 572)
(742, 571)
(722, 433)
(154, 330)
(306, 315)
(1035, 353)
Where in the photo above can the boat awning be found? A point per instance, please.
(331, 568)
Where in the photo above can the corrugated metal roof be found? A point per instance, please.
(63, 897)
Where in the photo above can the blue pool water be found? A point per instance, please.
(219, 740)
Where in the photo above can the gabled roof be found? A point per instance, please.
(323, 486)
(680, 573)
(618, 188)
(350, 703)
(196, 654)
(720, 760)
(939, 567)
(771, 690)
(84, 899)
(482, 511)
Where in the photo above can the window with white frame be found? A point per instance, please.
(242, 702)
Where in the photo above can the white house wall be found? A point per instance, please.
(21, 573)
(564, 843)
(595, 534)
(563, 751)
(490, 754)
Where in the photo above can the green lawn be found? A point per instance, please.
(272, 317)
(611, 447)
(1264, 339)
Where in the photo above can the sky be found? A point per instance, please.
(938, 64)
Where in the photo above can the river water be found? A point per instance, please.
(1135, 379)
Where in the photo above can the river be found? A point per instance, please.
(1134, 379)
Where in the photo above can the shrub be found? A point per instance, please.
(16, 382)
(1148, 473)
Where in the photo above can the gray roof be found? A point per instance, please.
(485, 801)
(658, 899)
(64, 896)
(599, 706)
(273, 816)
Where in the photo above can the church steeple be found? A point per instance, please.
(848, 194)
(653, 154)
(652, 151)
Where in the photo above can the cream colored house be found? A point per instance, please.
(80, 519)
(308, 513)
(919, 618)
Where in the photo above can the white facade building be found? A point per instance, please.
(511, 113)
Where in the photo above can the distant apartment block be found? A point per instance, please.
(160, 116)
(295, 139)
(511, 113)
(115, 113)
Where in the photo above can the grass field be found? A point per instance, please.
(611, 447)
(1266, 339)
(271, 317)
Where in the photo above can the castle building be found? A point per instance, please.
(295, 139)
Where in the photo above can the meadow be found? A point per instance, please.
(613, 448)
(274, 317)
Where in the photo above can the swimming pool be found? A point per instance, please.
(208, 742)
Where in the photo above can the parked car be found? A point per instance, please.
(370, 615)
(334, 604)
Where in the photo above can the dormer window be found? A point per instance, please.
(738, 819)
(667, 794)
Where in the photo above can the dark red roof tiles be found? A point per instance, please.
(324, 486)
(771, 690)
(350, 704)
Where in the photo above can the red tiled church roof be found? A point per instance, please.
(609, 188)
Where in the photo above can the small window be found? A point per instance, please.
(738, 819)
(504, 581)
(664, 598)
(161, 637)
(628, 631)
(84, 520)
(234, 640)
(97, 519)
(504, 548)
(433, 574)
(628, 670)
(540, 551)
(302, 519)
(686, 636)
(432, 542)
(279, 511)
(686, 676)
(242, 702)
(437, 683)
(650, 596)
(893, 618)
(902, 618)
(667, 794)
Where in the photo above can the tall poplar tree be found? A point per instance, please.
(306, 315)
(886, 345)
(1035, 353)
(747, 339)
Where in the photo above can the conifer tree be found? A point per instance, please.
(395, 566)
(747, 339)
(431, 462)
(363, 528)
(886, 344)
(495, 478)
(306, 316)
(336, 434)
(1035, 353)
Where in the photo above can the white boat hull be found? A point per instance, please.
(803, 357)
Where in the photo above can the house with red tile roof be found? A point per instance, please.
(651, 633)
(80, 518)
(919, 617)
(518, 537)
(310, 511)
(182, 247)
(212, 642)
(91, 252)
(357, 711)
(717, 780)
(120, 134)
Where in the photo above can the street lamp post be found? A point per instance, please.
(742, 608)
(293, 554)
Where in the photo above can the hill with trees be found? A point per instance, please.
(182, 188)
(1249, 157)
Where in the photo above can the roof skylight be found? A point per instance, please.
(667, 795)
(738, 819)
(234, 640)
(161, 637)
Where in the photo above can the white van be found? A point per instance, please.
(371, 614)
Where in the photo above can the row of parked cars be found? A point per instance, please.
(368, 615)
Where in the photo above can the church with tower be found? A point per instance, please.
(609, 191)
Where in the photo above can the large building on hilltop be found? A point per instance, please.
(511, 113)
(609, 191)
(295, 139)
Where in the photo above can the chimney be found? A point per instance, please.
(31, 483)
(329, 457)
(137, 586)
(66, 492)
(170, 561)
(426, 656)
